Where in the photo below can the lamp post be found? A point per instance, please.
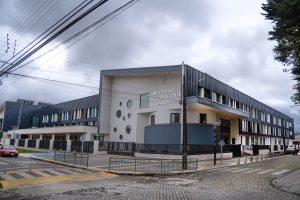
(184, 121)
(216, 125)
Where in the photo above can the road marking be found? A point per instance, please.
(281, 172)
(234, 168)
(27, 162)
(67, 171)
(14, 162)
(40, 173)
(240, 170)
(41, 180)
(24, 174)
(7, 177)
(55, 172)
(3, 163)
(251, 171)
(266, 171)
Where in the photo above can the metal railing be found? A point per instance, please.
(72, 158)
(44, 144)
(12, 142)
(150, 165)
(60, 145)
(21, 143)
(88, 146)
(32, 143)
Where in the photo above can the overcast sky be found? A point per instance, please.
(226, 39)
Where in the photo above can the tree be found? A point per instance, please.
(285, 15)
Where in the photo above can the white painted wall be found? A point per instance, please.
(125, 88)
(234, 131)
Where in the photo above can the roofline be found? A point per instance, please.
(244, 94)
(142, 70)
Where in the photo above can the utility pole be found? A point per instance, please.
(184, 122)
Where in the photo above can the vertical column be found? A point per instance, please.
(37, 145)
(68, 136)
(87, 136)
(26, 143)
(51, 142)
(96, 145)
(69, 143)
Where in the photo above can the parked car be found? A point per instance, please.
(292, 149)
(7, 150)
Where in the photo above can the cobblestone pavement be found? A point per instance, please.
(250, 181)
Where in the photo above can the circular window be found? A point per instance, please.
(115, 129)
(121, 137)
(129, 115)
(128, 129)
(124, 118)
(120, 103)
(119, 113)
(129, 104)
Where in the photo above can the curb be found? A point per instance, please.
(57, 162)
(274, 185)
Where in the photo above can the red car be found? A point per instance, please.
(6, 150)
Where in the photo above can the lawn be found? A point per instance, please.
(29, 151)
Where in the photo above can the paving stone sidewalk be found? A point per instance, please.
(289, 183)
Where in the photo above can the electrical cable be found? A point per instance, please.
(59, 23)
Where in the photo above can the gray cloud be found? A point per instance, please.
(155, 32)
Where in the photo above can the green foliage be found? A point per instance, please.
(285, 15)
(29, 151)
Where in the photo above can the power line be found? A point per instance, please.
(59, 23)
(57, 81)
(100, 23)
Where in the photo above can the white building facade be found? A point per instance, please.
(142, 105)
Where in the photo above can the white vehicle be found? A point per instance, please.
(292, 149)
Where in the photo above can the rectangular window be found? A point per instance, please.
(247, 140)
(201, 92)
(203, 118)
(207, 94)
(174, 118)
(214, 96)
(252, 140)
(144, 100)
(152, 119)
(237, 105)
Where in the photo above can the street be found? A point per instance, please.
(267, 179)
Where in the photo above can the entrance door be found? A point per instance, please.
(225, 131)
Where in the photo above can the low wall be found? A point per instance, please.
(263, 151)
(166, 156)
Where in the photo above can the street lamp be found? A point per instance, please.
(216, 125)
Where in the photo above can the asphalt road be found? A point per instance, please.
(8, 164)
(250, 181)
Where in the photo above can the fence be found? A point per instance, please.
(60, 145)
(21, 143)
(122, 148)
(44, 144)
(127, 148)
(88, 146)
(150, 165)
(72, 158)
(12, 142)
(32, 143)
